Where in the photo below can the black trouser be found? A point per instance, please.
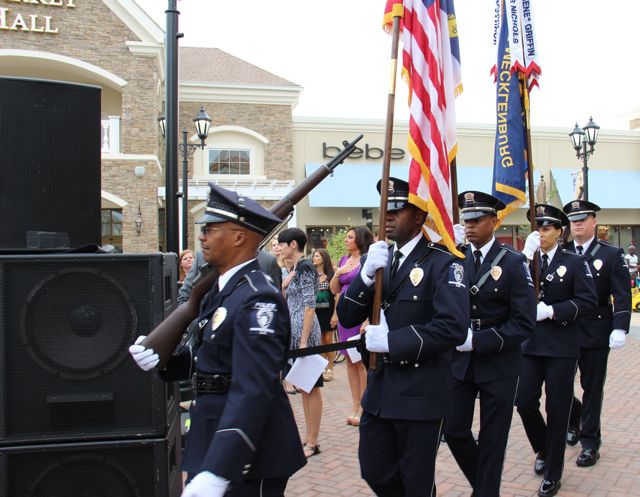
(586, 415)
(398, 457)
(255, 488)
(557, 374)
(481, 461)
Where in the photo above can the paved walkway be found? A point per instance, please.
(335, 470)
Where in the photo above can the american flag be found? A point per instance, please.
(431, 68)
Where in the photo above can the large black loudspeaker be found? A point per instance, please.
(49, 164)
(128, 468)
(66, 322)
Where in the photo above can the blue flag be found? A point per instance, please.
(510, 156)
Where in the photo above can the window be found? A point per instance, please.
(229, 161)
(112, 228)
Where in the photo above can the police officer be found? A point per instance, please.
(243, 439)
(426, 314)
(503, 315)
(550, 356)
(602, 329)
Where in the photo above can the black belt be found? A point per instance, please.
(386, 359)
(211, 383)
(479, 324)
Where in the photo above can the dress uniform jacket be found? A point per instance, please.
(506, 304)
(248, 432)
(567, 285)
(427, 317)
(611, 277)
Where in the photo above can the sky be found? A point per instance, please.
(337, 51)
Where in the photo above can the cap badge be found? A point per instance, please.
(469, 197)
(416, 275)
(496, 272)
(575, 205)
(540, 210)
(391, 186)
(597, 264)
(561, 271)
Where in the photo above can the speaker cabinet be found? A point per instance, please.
(66, 322)
(131, 468)
(49, 164)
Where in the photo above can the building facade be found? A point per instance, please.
(255, 145)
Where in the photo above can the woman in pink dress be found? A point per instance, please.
(357, 243)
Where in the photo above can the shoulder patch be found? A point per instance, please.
(456, 275)
(261, 318)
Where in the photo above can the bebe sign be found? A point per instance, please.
(368, 152)
(12, 20)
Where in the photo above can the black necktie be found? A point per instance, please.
(478, 255)
(579, 249)
(545, 262)
(397, 255)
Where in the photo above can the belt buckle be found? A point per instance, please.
(475, 324)
(473, 290)
(384, 305)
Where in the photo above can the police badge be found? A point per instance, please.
(218, 317)
(416, 275)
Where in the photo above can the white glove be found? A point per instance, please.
(145, 358)
(467, 346)
(617, 339)
(377, 335)
(377, 257)
(206, 484)
(531, 244)
(543, 311)
(458, 234)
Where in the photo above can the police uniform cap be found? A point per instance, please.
(397, 194)
(474, 205)
(229, 206)
(548, 214)
(578, 210)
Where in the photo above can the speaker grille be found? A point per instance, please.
(49, 165)
(133, 468)
(66, 323)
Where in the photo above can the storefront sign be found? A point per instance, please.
(14, 20)
(368, 152)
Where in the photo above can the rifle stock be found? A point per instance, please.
(164, 338)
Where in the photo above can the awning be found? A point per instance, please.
(610, 189)
(354, 185)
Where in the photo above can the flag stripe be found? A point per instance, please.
(431, 67)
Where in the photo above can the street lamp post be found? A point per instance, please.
(584, 143)
(202, 123)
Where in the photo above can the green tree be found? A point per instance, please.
(335, 246)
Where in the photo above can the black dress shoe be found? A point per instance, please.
(573, 434)
(549, 488)
(588, 457)
(538, 466)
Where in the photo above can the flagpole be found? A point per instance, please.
(524, 96)
(453, 179)
(386, 166)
